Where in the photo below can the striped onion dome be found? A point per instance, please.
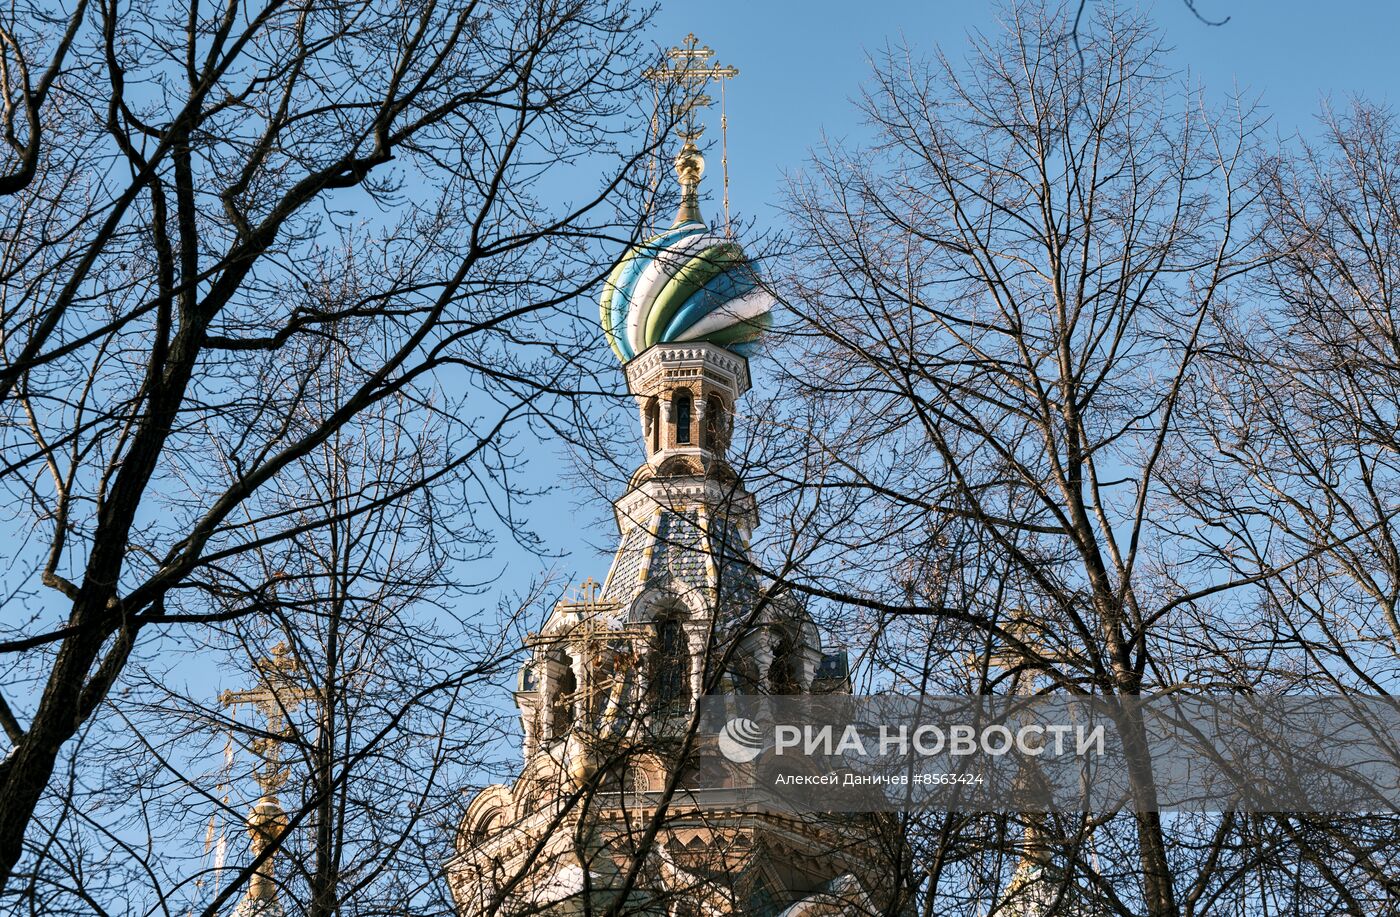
(685, 284)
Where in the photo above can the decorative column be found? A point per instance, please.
(695, 639)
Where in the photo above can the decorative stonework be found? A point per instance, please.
(686, 395)
(680, 361)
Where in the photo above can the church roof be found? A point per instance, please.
(682, 551)
(685, 284)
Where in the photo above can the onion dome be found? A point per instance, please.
(685, 284)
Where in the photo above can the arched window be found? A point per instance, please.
(654, 423)
(672, 677)
(488, 825)
(715, 423)
(782, 672)
(561, 702)
(680, 413)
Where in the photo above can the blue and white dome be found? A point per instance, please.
(685, 284)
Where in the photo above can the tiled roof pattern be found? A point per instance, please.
(738, 585)
(624, 580)
(680, 552)
(679, 548)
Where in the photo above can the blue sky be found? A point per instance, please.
(801, 64)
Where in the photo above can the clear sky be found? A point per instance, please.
(801, 64)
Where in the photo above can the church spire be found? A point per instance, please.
(688, 70)
(615, 674)
(276, 695)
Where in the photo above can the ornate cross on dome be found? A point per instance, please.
(275, 696)
(688, 283)
(687, 70)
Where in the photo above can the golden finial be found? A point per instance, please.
(690, 166)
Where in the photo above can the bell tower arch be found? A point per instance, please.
(685, 396)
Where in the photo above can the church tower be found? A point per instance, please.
(621, 806)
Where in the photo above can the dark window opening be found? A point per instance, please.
(762, 902)
(745, 677)
(715, 421)
(782, 672)
(654, 424)
(562, 703)
(681, 405)
(672, 666)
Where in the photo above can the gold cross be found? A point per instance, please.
(589, 590)
(690, 69)
(274, 698)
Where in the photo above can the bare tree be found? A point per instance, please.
(1288, 461)
(34, 46)
(216, 190)
(382, 731)
(999, 303)
(1295, 465)
(1192, 5)
(357, 723)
